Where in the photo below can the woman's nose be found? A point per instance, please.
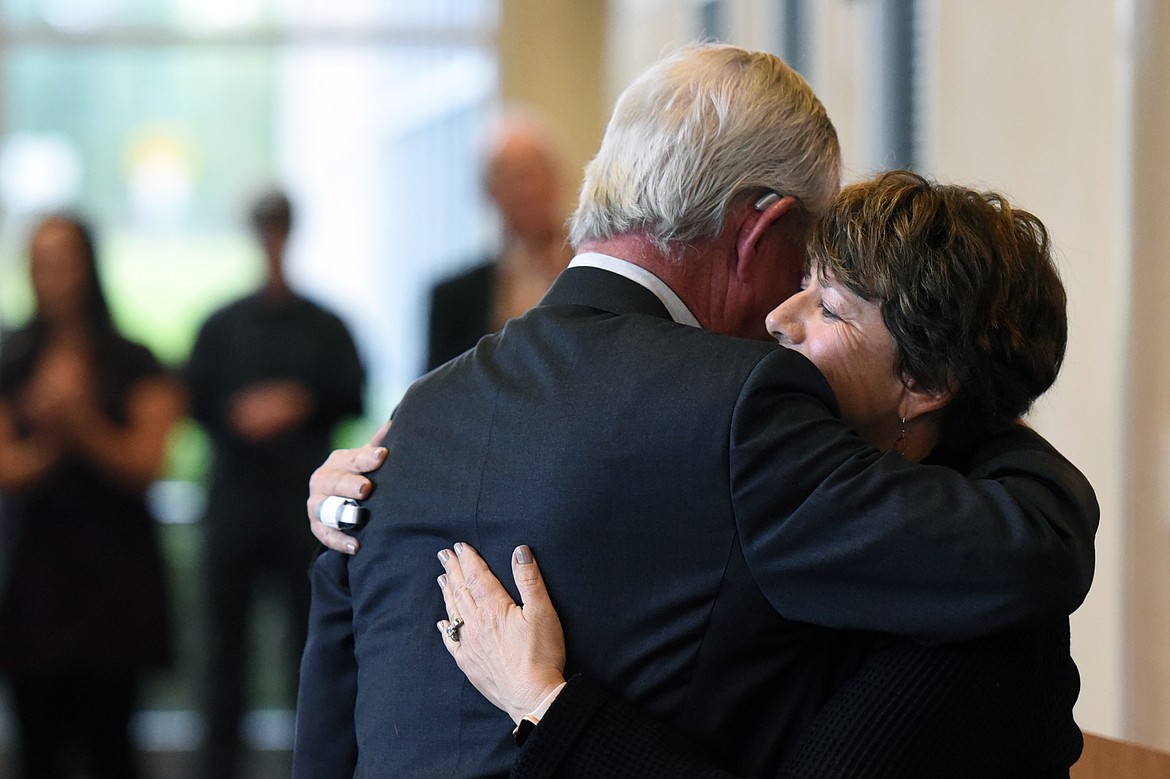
(783, 325)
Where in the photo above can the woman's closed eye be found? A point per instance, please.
(829, 313)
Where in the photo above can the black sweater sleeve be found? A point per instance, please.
(1000, 706)
(589, 733)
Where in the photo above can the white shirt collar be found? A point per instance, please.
(636, 273)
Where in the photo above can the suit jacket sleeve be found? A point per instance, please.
(847, 537)
(325, 745)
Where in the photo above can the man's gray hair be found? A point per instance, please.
(696, 130)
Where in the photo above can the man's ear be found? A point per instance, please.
(759, 226)
(917, 400)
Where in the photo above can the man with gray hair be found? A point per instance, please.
(635, 430)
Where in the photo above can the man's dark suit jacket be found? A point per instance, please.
(695, 504)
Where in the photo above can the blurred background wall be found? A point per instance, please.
(160, 118)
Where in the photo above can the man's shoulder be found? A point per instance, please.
(131, 355)
(228, 312)
(318, 312)
(638, 348)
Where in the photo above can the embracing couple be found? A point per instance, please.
(838, 554)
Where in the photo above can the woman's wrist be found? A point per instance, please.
(526, 723)
(538, 703)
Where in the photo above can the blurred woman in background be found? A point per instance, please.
(84, 419)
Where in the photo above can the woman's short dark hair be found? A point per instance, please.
(966, 284)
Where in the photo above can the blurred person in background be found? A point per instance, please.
(524, 177)
(270, 377)
(84, 419)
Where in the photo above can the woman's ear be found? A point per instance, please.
(917, 400)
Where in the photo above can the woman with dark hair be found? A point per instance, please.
(937, 316)
(84, 419)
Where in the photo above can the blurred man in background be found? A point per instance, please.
(270, 376)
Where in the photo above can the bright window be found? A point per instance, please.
(158, 120)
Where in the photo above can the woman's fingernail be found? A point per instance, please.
(351, 548)
(362, 489)
(442, 580)
(523, 555)
(380, 452)
(444, 555)
(458, 548)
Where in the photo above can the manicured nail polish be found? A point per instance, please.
(444, 555)
(351, 548)
(523, 555)
(442, 580)
(458, 548)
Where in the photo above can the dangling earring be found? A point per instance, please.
(900, 443)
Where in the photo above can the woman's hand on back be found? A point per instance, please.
(514, 655)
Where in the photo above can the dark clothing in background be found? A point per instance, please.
(256, 340)
(87, 709)
(700, 505)
(86, 605)
(461, 313)
(254, 532)
(87, 583)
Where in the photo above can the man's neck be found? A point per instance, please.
(694, 277)
(276, 286)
